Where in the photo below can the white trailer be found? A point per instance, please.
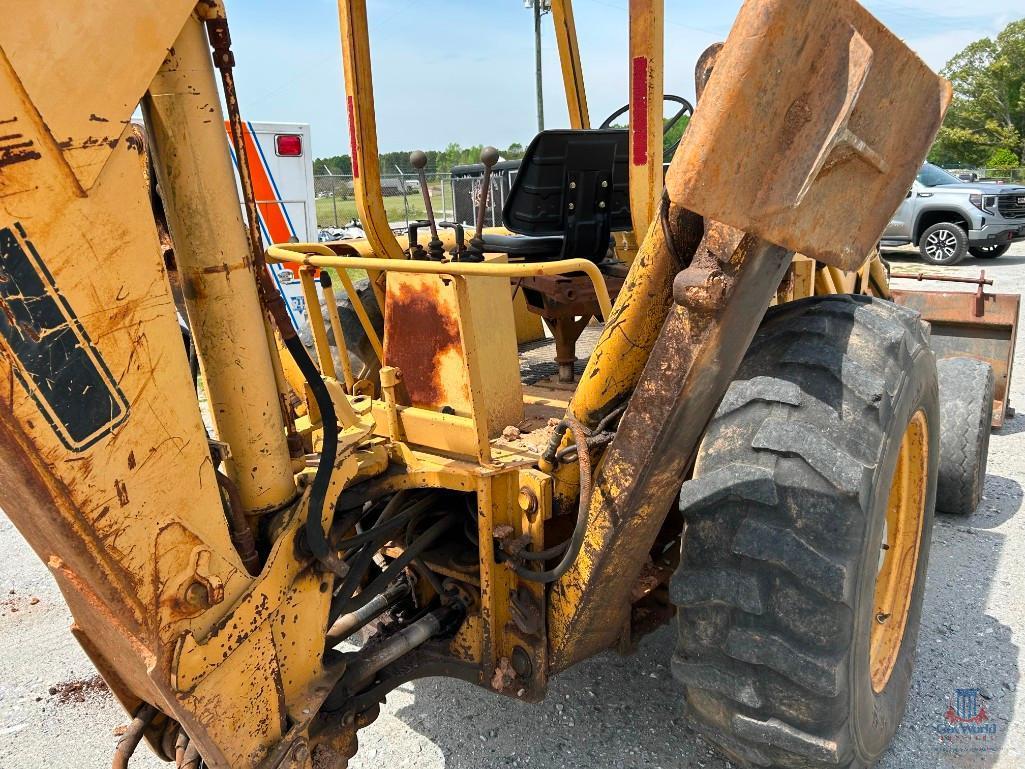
(281, 165)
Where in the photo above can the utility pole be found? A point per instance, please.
(540, 7)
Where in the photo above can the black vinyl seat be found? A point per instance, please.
(571, 192)
(527, 249)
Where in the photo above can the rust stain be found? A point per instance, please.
(134, 142)
(97, 119)
(122, 492)
(418, 333)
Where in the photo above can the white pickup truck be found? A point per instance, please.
(948, 218)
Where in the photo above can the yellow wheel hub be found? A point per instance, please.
(902, 542)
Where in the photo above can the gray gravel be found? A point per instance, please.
(610, 711)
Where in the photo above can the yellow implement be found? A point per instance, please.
(751, 444)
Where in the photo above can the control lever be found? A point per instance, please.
(435, 249)
(488, 156)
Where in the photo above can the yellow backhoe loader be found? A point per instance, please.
(749, 446)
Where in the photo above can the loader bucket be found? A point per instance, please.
(973, 325)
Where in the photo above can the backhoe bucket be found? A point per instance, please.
(846, 117)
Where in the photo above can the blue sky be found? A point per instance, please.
(469, 75)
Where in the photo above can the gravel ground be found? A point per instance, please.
(610, 711)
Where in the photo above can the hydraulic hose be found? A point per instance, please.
(133, 736)
(316, 538)
(570, 549)
(396, 567)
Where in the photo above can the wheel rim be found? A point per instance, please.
(941, 245)
(902, 543)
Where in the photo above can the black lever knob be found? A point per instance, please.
(488, 156)
(435, 249)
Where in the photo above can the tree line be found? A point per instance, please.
(438, 161)
(985, 126)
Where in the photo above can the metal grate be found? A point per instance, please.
(1013, 205)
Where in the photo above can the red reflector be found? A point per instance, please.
(288, 145)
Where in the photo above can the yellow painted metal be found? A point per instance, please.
(569, 58)
(140, 560)
(528, 324)
(359, 101)
(905, 518)
(498, 505)
(193, 166)
(84, 121)
(622, 349)
(331, 300)
(318, 255)
(318, 327)
(647, 56)
(447, 433)
(879, 279)
(488, 335)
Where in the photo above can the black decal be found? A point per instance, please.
(53, 356)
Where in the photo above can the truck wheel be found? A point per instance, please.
(807, 536)
(966, 416)
(989, 252)
(943, 244)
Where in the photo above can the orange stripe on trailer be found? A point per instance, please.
(266, 199)
(270, 211)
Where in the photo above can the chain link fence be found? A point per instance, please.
(454, 197)
(1006, 175)
(403, 199)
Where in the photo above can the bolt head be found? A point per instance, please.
(528, 503)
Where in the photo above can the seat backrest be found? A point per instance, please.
(574, 184)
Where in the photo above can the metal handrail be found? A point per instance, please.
(318, 255)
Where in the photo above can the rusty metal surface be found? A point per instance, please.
(719, 301)
(812, 108)
(973, 324)
(422, 340)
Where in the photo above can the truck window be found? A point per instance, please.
(933, 176)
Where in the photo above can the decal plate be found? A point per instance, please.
(50, 352)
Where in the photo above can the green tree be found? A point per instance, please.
(988, 111)
(1003, 160)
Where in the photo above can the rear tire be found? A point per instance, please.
(989, 252)
(785, 523)
(362, 357)
(966, 417)
(943, 244)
